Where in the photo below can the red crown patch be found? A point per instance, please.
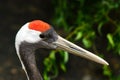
(39, 25)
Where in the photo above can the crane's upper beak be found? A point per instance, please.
(64, 44)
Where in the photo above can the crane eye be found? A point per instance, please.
(42, 36)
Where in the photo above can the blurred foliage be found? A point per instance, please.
(52, 64)
(85, 21)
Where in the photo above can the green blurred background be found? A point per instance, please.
(91, 24)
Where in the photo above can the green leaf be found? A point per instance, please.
(99, 28)
(46, 76)
(110, 39)
(66, 57)
(63, 67)
(78, 36)
(48, 63)
(87, 43)
(107, 71)
(52, 55)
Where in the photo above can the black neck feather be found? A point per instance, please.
(28, 58)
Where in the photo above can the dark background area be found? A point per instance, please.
(14, 14)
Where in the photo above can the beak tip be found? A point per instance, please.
(105, 63)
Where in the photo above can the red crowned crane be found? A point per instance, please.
(38, 34)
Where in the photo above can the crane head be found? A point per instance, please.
(43, 35)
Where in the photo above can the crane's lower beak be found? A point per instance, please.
(63, 44)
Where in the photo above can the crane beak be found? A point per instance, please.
(64, 44)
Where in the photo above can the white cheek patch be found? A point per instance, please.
(32, 36)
